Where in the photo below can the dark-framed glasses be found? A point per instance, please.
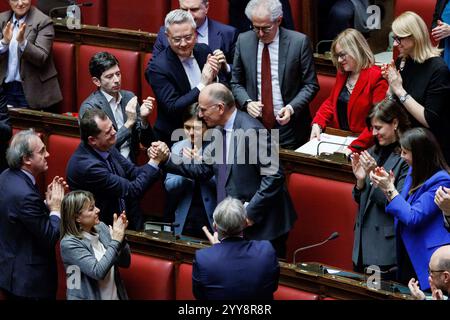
(263, 29)
(430, 271)
(398, 39)
(341, 55)
(187, 38)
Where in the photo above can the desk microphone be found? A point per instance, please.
(329, 142)
(333, 236)
(84, 4)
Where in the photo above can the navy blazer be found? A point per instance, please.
(220, 36)
(134, 135)
(5, 131)
(172, 89)
(260, 184)
(235, 269)
(418, 221)
(27, 239)
(87, 170)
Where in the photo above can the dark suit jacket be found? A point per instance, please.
(298, 80)
(370, 89)
(238, 19)
(37, 70)
(27, 239)
(235, 269)
(87, 170)
(133, 135)
(171, 86)
(438, 10)
(269, 204)
(5, 131)
(418, 222)
(220, 36)
(372, 224)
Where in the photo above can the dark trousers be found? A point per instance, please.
(15, 95)
(279, 244)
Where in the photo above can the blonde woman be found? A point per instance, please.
(420, 79)
(91, 250)
(359, 86)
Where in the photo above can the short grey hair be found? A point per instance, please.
(179, 16)
(273, 7)
(20, 148)
(230, 217)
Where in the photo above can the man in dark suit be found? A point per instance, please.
(236, 12)
(234, 268)
(98, 167)
(273, 76)
(5, 131)
(179, 73)
(121, 106)
(220, 37)
(29, 228)
(245, 173)
(27, 70)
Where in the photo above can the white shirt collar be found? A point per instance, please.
(110, 98)
(275, 40)
(230, 122)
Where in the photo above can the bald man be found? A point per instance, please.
(439, 275)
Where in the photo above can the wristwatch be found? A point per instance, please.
(403, 98)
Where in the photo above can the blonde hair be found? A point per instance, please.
(72, 205)
(355, 45)
(411, 24)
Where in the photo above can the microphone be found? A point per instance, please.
(333, 236)
(85, 4)
(172, 225)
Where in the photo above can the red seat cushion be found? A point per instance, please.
(288, 293)
(326, 84)
(142, 15)
(423, 8)
(129, 63)
(184, 283)
(61, 149)
(94, 15)
(319, 218)
(149, 278)
(64, 58)
(146, 89)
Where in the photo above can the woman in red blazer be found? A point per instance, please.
(358, 87)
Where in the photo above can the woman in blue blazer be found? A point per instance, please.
(418, 220)
(92, 253)
(195, 201)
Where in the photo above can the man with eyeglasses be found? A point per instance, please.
(439, 276)
(279, 86)
(221, 38)
(180, 72)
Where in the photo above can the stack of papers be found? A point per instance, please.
(327, 144)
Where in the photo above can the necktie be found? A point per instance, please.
(113, 170)
(222, 170)
(268, 117)
(118, 116)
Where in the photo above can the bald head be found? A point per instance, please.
(216, 104)
(440, 260)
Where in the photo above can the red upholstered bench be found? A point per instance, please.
(149, 278)
(140, 14)
(423, 8)
(146, 89)
(323, 206)
(326, 84)
(183, 290)
(128, 60)
(64, 58)
(289, 293)
(61, 149)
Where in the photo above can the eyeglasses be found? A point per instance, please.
(431, 271)
(263, 29)
(399, 39)
(341, 55)
(187, 38)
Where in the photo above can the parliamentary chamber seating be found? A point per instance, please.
(152, 277)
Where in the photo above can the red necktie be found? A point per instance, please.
(268, 117)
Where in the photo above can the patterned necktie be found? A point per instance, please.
(268, 118)
(222, 170)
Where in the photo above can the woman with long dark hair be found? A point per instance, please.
(418, 220)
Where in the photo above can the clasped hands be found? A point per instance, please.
(158, 152)
(8, 33)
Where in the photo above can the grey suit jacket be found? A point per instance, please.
(374, 228)
(79, 252)
(296, 73)
(269, 204)
(37, 69)
(133, 135)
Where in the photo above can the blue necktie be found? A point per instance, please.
(222, 171)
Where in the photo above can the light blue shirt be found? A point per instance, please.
(202, 33)
(192, 70)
